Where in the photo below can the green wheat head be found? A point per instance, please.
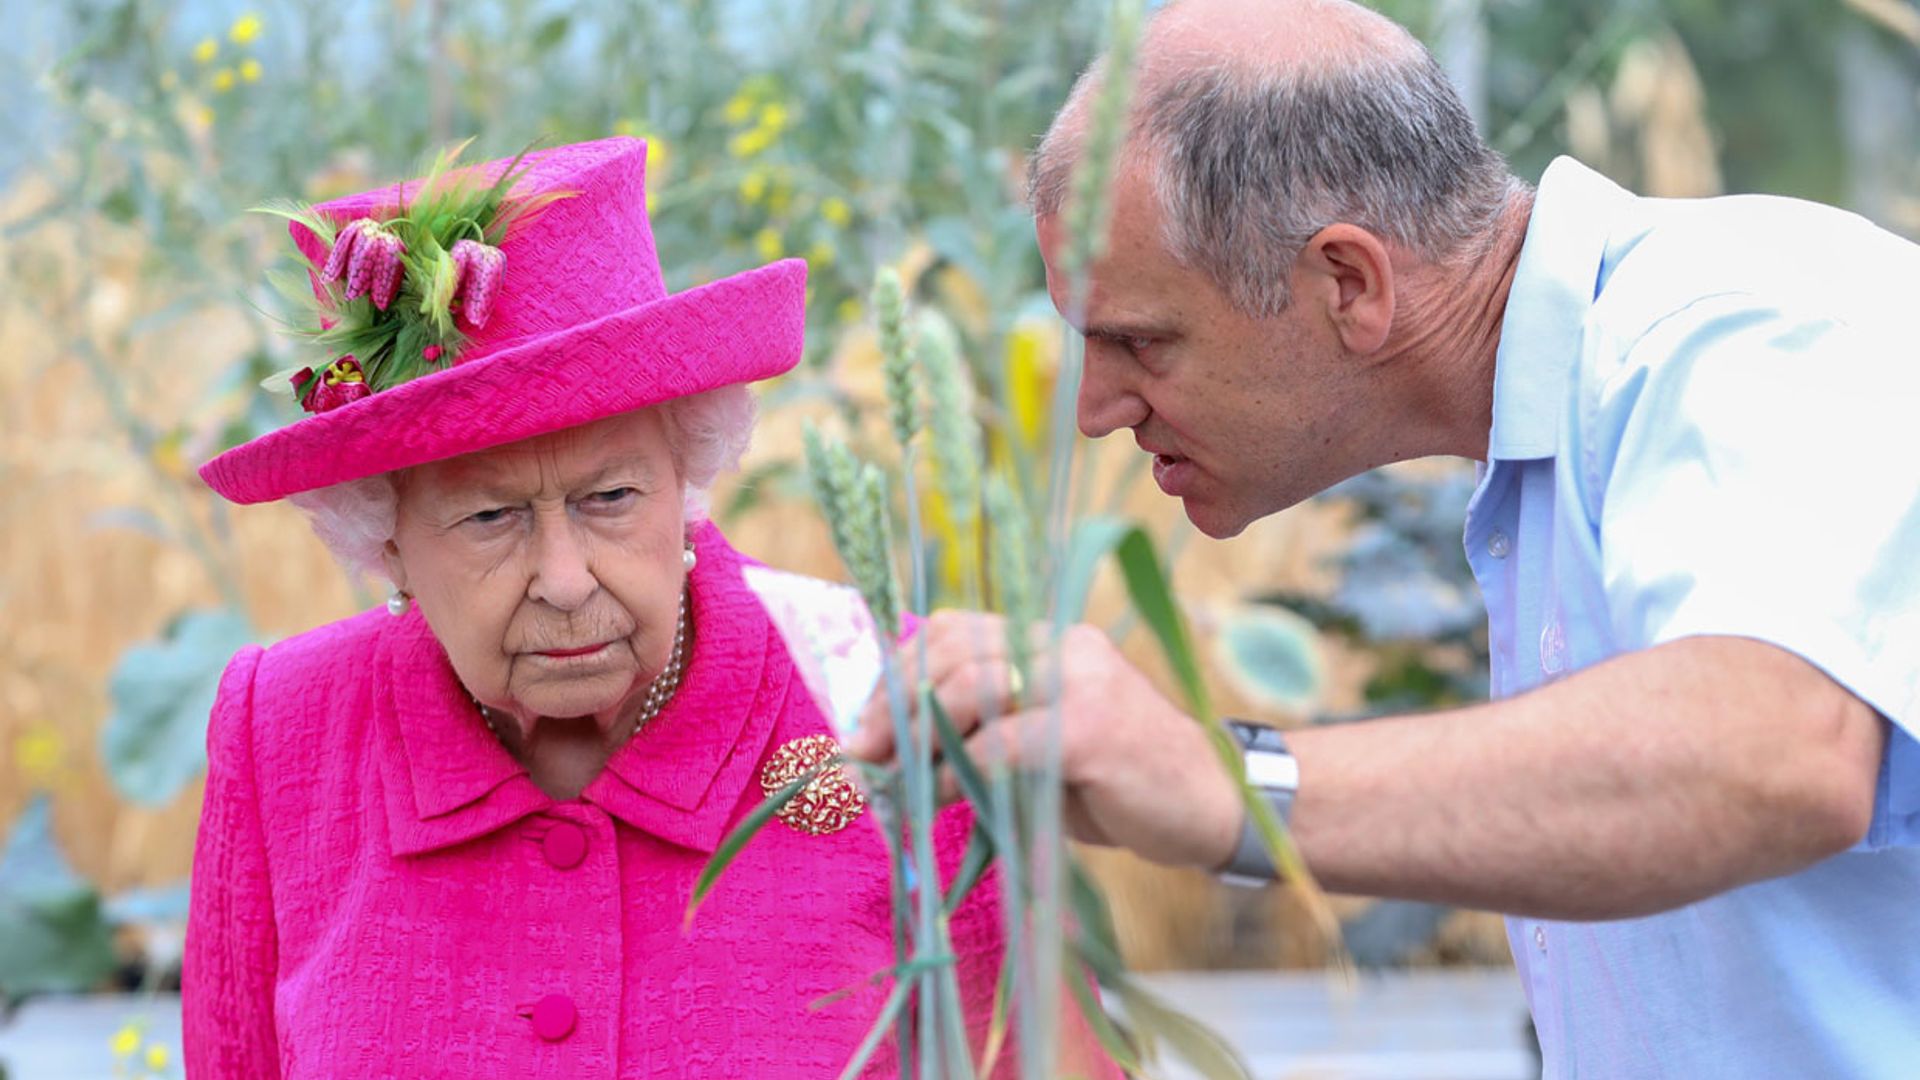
(955, 435)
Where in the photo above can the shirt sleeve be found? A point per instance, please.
(232, 948)
(1757, 473)
(830, 636)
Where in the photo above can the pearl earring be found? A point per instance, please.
(689, 559)
(399, 602)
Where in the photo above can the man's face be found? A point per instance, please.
(1244, 415)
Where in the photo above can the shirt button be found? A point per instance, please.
(554, 1017)
(564, 845)
(1498, 545)
(1553, 648)
(1540, 937)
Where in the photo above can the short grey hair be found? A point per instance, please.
(707, 432)
(1249, 164)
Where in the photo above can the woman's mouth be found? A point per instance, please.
(567, 654)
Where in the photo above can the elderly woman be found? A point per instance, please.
(457, 836)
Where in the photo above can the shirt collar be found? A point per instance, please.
(1553, 289)
(449, 780)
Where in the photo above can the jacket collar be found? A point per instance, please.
(448, 780)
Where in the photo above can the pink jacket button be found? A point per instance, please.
(564, 845)
(554, 1017)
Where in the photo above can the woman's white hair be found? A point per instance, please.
(707, 433)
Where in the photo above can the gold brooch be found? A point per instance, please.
(829, 802)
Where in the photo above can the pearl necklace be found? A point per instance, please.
(659, 692)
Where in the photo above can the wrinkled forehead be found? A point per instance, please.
(631, 447)
(1137, 276)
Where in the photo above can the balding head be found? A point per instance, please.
(1272, 34)
(1264, 121)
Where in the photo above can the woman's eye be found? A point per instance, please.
(612, 497)
(488, 517)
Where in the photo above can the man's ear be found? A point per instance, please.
(1348, 272)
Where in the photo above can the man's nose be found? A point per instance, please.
(1105, 404)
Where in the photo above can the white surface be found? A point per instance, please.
(1434, 1025)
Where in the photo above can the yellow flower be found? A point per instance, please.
(767, 243)
(1032, 362)
(202, 117)
(157, 1057)
(223, 80)
(753, 186)
(739, 107)
(250, 70)
(37, 752)
(836, 211)
(206, 50)
(848, 310)
(773, 116)
(750, 143)
(624, 126)
(126, 1041)
(821, 253)
(244, 29)
(168, 451)
(659, 158)
(780, 197)
(945, 531)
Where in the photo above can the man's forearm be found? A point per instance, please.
(1641, 784)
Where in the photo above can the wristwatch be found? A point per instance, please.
(1274, 775)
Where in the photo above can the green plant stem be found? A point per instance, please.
(934, 1001)
(952, 1031)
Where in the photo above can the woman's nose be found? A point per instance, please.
(562, 576)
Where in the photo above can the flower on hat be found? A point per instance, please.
(368, 254)
(476, 268)
(342, 383)
(398, 290)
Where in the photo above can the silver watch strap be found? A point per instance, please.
(1272, 772)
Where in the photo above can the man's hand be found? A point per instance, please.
(1137, 772)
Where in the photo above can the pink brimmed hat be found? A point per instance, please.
(564, 322)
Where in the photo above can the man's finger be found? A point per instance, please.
(964, 653)
(872, 738)
(975, 693)
(1005, 743)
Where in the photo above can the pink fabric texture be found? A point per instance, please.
(582, 329)
(380, 890)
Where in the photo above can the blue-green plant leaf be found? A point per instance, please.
(53, 937)
(1272, 656)
(154, 743)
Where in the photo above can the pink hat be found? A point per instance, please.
(470, 346)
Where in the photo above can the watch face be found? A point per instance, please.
(1256, 736)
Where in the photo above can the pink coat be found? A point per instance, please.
(380, 890)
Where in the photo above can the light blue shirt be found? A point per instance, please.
(1706, 420)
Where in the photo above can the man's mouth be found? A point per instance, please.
(1174, 474)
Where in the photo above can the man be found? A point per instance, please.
(1697, 531)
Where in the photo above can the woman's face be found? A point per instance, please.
(550, 569)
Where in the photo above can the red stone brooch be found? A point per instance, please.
(829, 802)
